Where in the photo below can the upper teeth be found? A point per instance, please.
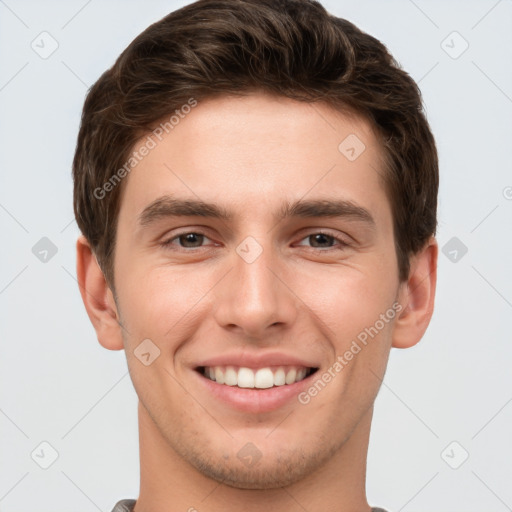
(262, 378)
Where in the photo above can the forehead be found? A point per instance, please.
(254, 152)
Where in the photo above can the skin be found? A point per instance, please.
(301, 296)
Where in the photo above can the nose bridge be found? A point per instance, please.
(253, 298)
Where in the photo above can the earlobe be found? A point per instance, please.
(417, 296)
(97, 297)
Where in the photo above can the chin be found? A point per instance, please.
(254, 479)
(274, 472)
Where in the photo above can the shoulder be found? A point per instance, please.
(127, 506)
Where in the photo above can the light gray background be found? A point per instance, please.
(58, 385)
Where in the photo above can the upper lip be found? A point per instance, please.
(262, 360)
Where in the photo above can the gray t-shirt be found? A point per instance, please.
(127, 506)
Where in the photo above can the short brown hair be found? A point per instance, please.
(292, 48)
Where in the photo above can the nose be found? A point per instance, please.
(256, 299)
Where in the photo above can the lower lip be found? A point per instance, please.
(255, 400)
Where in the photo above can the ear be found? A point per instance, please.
(416, 295)
(97, 297)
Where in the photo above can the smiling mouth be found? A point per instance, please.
(261, 378)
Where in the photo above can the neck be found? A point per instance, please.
(168, 483)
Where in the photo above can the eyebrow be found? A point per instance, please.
(168, 206)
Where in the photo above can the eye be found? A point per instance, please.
(322, 240)
(190, 240)
(186, 240)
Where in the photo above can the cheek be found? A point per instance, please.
(157, 302)
(348, 300)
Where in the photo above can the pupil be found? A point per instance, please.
(191, 238)
(321, 238)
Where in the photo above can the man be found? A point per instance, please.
(256, 184)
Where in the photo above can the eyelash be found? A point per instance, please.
(169, 245)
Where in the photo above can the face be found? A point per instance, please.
(286, 280)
